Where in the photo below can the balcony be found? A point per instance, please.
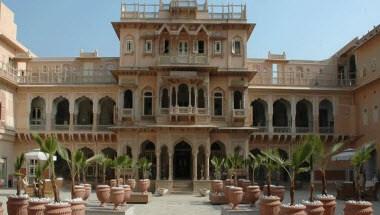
(37, 127)
(260, 129)
(8, 72)
(185, 60)
(184, 4)
(304, 129)
(182, 111)
(82, 127)
(61, 127)
(69, 77)
(238, 113)
(326, 130)
(127, 113)
(282, 129)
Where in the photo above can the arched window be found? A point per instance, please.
(165, 98)
(84, 111)
(106, 115)
(238, 100)
(128, 99)
(37, 112)
(183, 95)
(218, 104)
(174, 97)
(192, 97)
(201, 99)
(148, 103)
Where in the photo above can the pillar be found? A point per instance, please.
(170, 166)
(270, 115)
(293, 115)
(48, 114)
(207, 167)
(158, 166)
(195, 165)
(95, 114)
(72, 113)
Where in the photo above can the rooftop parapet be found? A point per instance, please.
(139, 10)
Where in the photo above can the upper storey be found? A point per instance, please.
(183, 9)
(183, 33)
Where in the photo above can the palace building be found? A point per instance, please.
(182, 91)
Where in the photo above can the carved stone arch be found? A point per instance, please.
(202, 27)
(183, 27)
(162, 28)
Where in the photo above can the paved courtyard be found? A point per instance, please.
(178, 204)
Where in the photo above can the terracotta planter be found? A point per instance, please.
(1, 208)
(17, 205)
(355, 208)
(314, 208)
(253, 193)
(276, 191)
(127, 193)
(113, 182)
(103, 192)
(121, 181)
(227, 193)
(270, 206)
(58, 209)
(117, 196)
(78, 208)
(37, 207)
(229, 182)
(217, 186)
(132, 183)
(79, 191)
(144, 185)
(291, 210)
(329, 204)
(236, 196)
(244, 184)
(87, 193)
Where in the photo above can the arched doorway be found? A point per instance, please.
(182, 161)
(148, 151)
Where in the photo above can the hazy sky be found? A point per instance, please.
(304, 29)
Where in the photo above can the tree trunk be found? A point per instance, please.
(324, 182)
(54, 185)
(269, 183)
(18, 187)
(292, 188)
(84, 176)
(104, 175)
(72, 186)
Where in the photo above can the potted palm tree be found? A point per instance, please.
(234, 164)
(294, 166)
(253, 192)
(144, 165)
(103, 191)
(217, 184)
(118, 192)
(18, 204)
(269, 204)
(72, 163)
(38, 204)
(323, 156)
(361, 156)
(83, 164)
(313, 207)
(50, 146)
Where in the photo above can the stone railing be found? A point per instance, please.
(326, 130)
(238, 113)
(282, 129)
(192, 59)
(127, 112)
(8, 72)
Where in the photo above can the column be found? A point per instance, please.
(72, 114)
(293, 115)
(207, 167)
(158, 164)
(270, 115)
(95, 114)
(176, 95)
(195, 165)
(48, 114)
(315, 116)
(170, 166)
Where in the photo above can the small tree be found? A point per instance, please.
(83, 163)
(118, 164)
(145, 166)
(72, 162)
(270, 165)
(38, 180)
(50, 146)
(361, 156)
(295, 165)
(18, 165)
(323, 156)
(217, 163)
(253, 162)
(104, 162)
(317, 144)
(127, 165)
(232, 164)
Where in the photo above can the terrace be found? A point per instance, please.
(139, 10)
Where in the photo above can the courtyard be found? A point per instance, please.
(180, 204)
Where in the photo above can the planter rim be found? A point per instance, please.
(58, 204)
(39, 200)
(253, 186)
(326, 197)
(79, 186)
(274, 198)
(103, 186)
(117, 188)
(21, 197)
(314, 203)
(361, 203)
(296, 206)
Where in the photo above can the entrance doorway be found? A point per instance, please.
(182, 161)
